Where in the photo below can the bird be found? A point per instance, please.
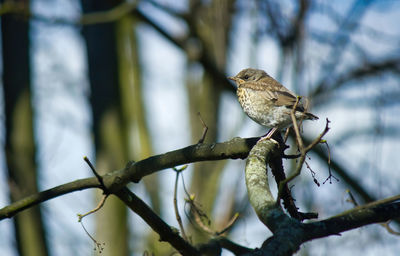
(268, 102)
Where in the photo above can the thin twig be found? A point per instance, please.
(98, 207)
(318, 139)
(101, 203)
(177, 215)
(98, 176)
(330, 176)
(290, 156)
(196, 212)
(295, 126)
(352, 198)
(303, 150)
(205, 129)
(299, 140)
(98, 245)
(198, 218)
(184, 188)
(286, 135)
(229, 225)
(389, 229)
(199, 215)
(312, 174)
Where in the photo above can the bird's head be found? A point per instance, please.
(248, 74)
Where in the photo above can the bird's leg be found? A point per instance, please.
(269, 135)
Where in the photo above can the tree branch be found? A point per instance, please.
(267, 209)
(29, 201)
(232, 149)
(289, 233)
(287, 240)
(369, 69)
(375, 212)
(166, 232)
(135, 171)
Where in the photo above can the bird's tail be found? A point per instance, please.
(311, 116)
(306, 106)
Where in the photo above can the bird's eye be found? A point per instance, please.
(246, 77)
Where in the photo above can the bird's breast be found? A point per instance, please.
(262, 110)
(244, 98)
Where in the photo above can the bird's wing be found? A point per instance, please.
(271, 90)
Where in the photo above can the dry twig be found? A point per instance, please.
(303, 150)
(177, 215)
(205, 129)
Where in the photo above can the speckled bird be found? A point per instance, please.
(268, 102)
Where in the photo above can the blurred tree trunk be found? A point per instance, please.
(134, 114)
(211, 23)
(20, 145)
(108, 126)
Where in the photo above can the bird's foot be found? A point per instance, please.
(268, 136)
(265, 138)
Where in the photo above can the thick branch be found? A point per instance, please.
(276, 165)
(232, 149)
(113, 181)
(267, 208)
(167, 233)
(375, 212)
(27, 202)
(289, 233)
(287, 241)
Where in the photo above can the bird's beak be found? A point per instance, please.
(237, 80)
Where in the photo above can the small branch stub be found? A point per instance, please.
(98, 176)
